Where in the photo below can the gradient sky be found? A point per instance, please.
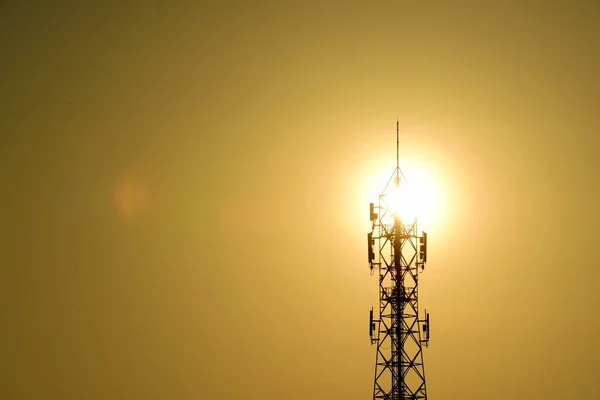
(185, 192)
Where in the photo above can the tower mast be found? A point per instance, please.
(399, 258)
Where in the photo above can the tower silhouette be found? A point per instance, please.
(398, 255)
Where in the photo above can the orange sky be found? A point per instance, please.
(186, 188)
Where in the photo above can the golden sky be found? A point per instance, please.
(186, 188)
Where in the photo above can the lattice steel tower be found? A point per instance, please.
(400, 258)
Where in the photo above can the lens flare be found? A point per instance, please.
(130, 196)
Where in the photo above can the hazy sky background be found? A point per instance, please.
(184, 208)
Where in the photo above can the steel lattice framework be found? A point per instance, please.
(401, 335)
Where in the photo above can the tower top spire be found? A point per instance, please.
(397, 146)
(398, 171)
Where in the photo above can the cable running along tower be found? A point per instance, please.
(398, 255)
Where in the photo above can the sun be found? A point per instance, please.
(419, 195)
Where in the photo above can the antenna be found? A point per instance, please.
(398, 172)
(397, 151)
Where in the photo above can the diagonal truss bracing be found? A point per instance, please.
(400, 334)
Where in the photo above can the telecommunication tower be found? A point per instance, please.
(398, 255)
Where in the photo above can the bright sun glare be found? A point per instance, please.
(401, 201)
(419, 194)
